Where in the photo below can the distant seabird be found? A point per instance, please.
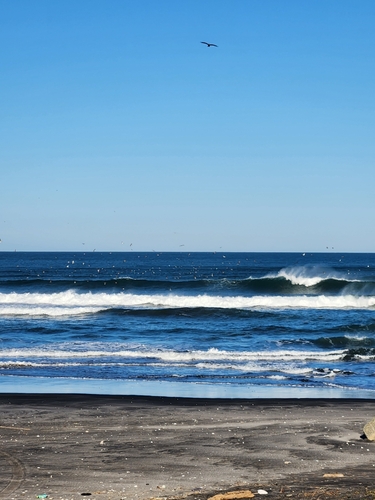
(210, 44)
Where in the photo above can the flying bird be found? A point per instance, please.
(210, 44)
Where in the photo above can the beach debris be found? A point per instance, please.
(233, 495)
(262, 492)
(369, 430)
(15, 428)
(334, 474)
(43, 495)
(86, 494)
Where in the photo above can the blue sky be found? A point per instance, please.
(120, 130)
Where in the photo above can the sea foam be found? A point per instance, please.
(73, 303)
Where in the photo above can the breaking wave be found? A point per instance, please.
(73, 303)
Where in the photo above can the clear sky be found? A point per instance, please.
(120, 130)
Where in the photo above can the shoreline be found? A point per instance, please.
(90, 398)
(147, 447)
(45, 385)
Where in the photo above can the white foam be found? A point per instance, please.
(73, 351)
(359, 338)
(307, 275)
(73, 303)
(32, 364)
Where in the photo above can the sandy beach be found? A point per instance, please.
(123, 447)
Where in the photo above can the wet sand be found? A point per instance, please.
(123, 447)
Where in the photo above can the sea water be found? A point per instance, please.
(188, 324)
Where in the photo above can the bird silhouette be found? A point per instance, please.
(210, 44)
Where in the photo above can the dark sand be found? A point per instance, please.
(115, 447)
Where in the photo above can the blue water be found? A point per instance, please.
(198, 324)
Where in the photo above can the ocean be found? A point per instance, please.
(188, 324)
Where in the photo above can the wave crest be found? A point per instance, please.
(308, 276)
